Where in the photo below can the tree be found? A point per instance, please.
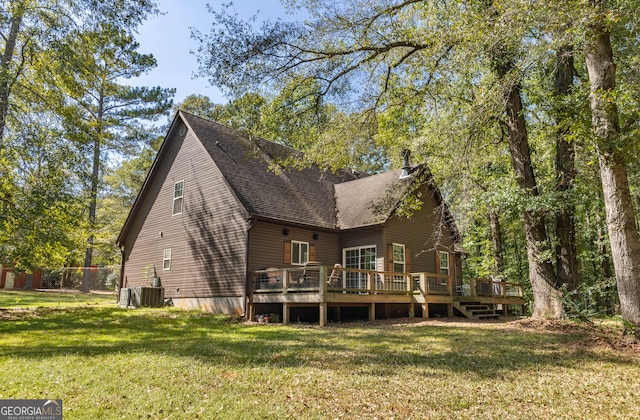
(566, 253)
(330, 138)
(29, 27)
(39, 167)
(377, 56)
(99, 113)
(40, 222)
(612, 153)
(387, 54)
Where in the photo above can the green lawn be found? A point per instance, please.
(107, 362)
(21, 299)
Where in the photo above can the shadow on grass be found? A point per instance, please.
(365, 349)
(17, 299)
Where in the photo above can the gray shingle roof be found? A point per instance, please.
(303, 196)
(369, 201)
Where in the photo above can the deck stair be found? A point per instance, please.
(476, 310)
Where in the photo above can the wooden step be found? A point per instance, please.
(487, 316)
(476, 310)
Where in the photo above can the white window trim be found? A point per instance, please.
(344, 254)
(173, 203)
(166, 258)
(298, 243)
(404, 257)
(440, 254)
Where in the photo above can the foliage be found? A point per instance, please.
(432, 77)
(71, 112)
(330, 138)
(592, 301)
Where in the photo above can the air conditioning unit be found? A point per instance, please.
(125, 297)
(138, 296)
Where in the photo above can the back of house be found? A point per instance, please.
(216, 208)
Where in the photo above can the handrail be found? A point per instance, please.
(491, 287)
(322, 279)
(339, 279)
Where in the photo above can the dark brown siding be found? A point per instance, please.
(207, 240)
(267, 245)
(422, 234)
(365, 236)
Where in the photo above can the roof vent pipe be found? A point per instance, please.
(406, 164)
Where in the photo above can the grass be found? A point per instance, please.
(20, 299)
(107, 362)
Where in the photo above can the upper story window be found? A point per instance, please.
(299, 253)
(399, 265)
(444, 262)
(178, 197)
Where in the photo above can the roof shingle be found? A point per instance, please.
(304, 196)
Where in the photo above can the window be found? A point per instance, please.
(178, 194)
(363, 258)
(166, 259)
(299, 253)
(444, 262)
(398, 258)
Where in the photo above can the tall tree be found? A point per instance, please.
(547, 297)
(566, 252)
(35, 41)
(611, 151)
(100, 114)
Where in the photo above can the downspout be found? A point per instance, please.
(251, 222)
(121, 268)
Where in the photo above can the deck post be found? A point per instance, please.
(322, 275)
(286, 312)
(450, 310)
(250, 310)
(372, 311)
(425, 310)
(323, 314)
(285, 281)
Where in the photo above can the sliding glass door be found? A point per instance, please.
(363, 258)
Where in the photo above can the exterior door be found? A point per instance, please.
(363, 258)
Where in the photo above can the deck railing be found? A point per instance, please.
(490, 287)
(433, 284)
(352, 280)
(333, 279)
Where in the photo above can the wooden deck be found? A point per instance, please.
(324, 287)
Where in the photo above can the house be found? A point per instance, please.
(228, 230)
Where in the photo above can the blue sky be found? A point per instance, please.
(168, 38)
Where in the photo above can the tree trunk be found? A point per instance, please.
(603, 251)
(496, 240)
(5, 67)
(566, 252)
(93, 199)
(623, 235)
(547, 299)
